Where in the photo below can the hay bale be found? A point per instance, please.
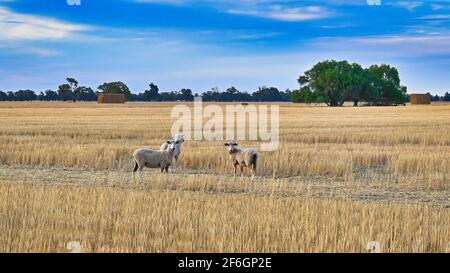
(420, 98)
(111, 98)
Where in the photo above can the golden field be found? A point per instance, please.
(341, 178)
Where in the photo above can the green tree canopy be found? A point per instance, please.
(115, 87)
(186, 95)
(386, 81)
(335, 82)
(65, 92)
(3, 96)
(151, 94)
(84, 93)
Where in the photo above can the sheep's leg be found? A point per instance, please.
(242, 170)
(235, 170)
(174, 165)
(167, 169)
(141, 166)
(253, 171)
(136, 166)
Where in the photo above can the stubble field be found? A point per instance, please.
(341, 178)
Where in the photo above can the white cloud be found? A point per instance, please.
(19, 26)
(436, 6)
(280, 10)
(409, 5)
(395, 46)
(290, 14)
(436, 17)
(43, 52)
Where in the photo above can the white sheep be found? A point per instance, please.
(177, 141)
(149, 158)
(243, 157)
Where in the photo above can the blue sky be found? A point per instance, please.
(203, 44)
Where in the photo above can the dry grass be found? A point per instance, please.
(108, 219)
(315, 194)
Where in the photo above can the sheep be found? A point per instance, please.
(178, 140)
(242, 157)
(149, 158)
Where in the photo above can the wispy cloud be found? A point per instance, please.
(409, 5)
(436, 17)
(19, 26)
(438, 6)
(290, 14)
(395, 45)
(281, 10)
(44, 52)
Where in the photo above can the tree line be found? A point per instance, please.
(72, 91)
(445, 97)
(330, 82)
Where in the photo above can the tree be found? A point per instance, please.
(152, 93)
(50, 95)
(369, 91)
(3, 96)
(83, 93)
(232, 91)
(73, 86)
(296, 96)
(358, 83)
(231, 94)
(73, 83)
(41, 96)
(25, 95)
(169, 96)
(115, 87)
(446, 96)
(265, 93)
(329, 80)
(211, 95)
(11, 96)
(304, 95)
(185, 95)
(286, 95)
(386, 80)
(335, 82)
(65, 92)
(435, 98)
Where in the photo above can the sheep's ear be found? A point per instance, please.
(235, 144)
(226, 144)
(169, 142)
